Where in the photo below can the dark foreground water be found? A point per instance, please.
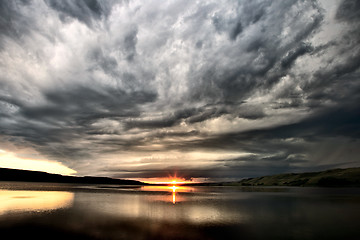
(65, 211)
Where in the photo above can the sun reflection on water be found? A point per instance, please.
(174, 194)
(173, 189)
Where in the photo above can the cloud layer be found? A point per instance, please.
(203, 89)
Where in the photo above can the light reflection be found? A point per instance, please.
(18, 201)
(160, 203)
(173, 189)
(171, 180)
(167, 188)
(174, 194)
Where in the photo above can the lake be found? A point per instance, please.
(70, 211)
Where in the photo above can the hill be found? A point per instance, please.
(349, 177)
(7, 174)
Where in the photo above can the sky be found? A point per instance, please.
(204, 90)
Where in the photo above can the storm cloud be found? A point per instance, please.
(209, 89)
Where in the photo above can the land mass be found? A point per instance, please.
(349, 177)
(7, 174)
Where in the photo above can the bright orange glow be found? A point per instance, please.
(174, 193)
(33, 200)
(10, 160)
(174, 197)
(173, 189)
(168, 181)
(167, 188)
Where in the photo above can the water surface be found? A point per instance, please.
(58, 211)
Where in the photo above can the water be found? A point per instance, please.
(66, 211)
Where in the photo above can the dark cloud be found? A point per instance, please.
(167, 121)
(236, 30)
(233, 89)
(349, 10)
(188, 115)
(275, 150)
(270, 62)
(84, 10)
(208, 113)
(84, 103)
(107, 63)
(68, 116)
(219, 172)
(337, 122)
(130, 41)
(13, 23)
(294, 54)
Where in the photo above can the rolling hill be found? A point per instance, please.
(349, 177)
(7, 174)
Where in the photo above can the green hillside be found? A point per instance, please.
(349, 177)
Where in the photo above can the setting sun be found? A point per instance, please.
(165, 181)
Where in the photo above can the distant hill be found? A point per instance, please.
(35, 176)
(349, 177)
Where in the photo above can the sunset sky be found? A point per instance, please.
(204, 90)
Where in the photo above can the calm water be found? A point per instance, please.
(65, 211)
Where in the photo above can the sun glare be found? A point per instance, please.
(174, 188)
(165, 181)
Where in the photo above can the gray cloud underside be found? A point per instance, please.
(87, 79)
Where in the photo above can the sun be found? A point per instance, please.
(176, 181)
